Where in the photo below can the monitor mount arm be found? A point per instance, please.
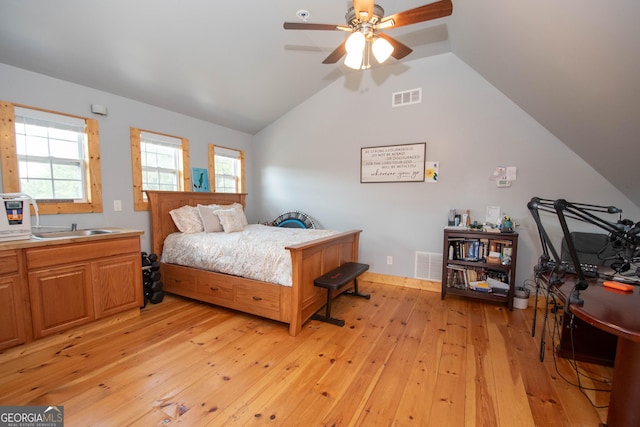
(545, 264)
(620, 231)
(535, 205)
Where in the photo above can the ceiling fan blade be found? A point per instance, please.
(427, 12)
(400, 50)
(363, 6)
(310, 26)
(335, 56)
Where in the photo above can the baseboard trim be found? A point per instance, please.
(406, 282)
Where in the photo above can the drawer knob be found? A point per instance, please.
(257, 298)
(213, 289)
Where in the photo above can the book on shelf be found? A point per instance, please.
(478, 250)
(465, 249)
(497, 284)
(500, 292)
(457, 276)
(480, 286)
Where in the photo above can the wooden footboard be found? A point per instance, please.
(311, 260)
(293, 305)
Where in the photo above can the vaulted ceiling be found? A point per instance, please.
(573, 65)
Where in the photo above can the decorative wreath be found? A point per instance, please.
(294, 219)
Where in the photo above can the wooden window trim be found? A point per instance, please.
(11, 179)
(184, 175)
(212, 167)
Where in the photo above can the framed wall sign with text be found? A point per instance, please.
(393, 163)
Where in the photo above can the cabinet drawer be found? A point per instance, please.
(214, 291)
(77, 252)
(8, 262)
(263, 300)
(178, 279)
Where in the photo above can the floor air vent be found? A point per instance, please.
(413, 96)
(428, 266)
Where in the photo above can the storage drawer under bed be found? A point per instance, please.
(246, 295)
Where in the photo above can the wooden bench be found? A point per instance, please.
(336, 279)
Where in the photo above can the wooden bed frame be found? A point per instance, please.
(293, 305)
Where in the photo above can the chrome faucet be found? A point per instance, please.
(74, 226)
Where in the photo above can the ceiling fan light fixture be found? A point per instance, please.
(382, 49)
(353, 60)
(355, 43)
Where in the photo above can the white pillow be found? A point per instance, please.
(234, 206)
(242, 214)
(210, 221)
(187, 219)
(231, 219)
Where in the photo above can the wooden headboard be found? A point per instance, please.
(162, 202)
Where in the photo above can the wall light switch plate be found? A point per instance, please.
(117, 205)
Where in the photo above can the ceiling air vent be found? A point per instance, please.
(413, 96)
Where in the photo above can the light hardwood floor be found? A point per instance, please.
(404, 358)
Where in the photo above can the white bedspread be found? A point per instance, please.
(258, 252)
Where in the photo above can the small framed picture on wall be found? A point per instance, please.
(200, 180)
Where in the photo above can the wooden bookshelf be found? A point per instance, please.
(473, 258)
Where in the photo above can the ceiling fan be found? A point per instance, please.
(365, 20)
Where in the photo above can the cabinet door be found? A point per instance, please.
(12, 321)
(117, 284)
(60, 298)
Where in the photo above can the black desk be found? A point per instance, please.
(617, 313)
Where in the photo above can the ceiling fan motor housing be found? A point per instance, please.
(354, 21)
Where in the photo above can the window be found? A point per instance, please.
(53, 157)
(227, 168)
(160, 162)
(50, 150)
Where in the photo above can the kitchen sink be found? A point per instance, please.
(46, 235)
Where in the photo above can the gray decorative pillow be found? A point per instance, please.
(210, 220)
(187, 219)
(231, 219)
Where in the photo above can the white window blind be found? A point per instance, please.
(51, 150)
(160, 158)
(227, 169)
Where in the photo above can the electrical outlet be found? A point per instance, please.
(389, 259)
(117, 205)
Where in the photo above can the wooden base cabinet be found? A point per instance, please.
(74, 284)
(60, 298)
(117, 284)
(14, 302)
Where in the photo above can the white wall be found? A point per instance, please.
(309, 160)
(24, 87)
